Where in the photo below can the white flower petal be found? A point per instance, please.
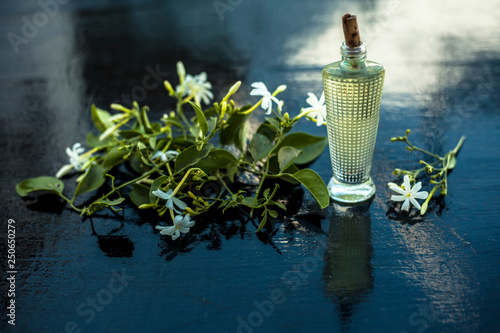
(416, 187)
(64, 170)
(170, 204)
(259, 86)
(406, 181)
(169, 231)
(406, 205)
(183, 230)
(398, 198)
(421, 195)
(159, 154)
(398, 189)
(415, 203)
(179, 203)
(176, 234)
(162, 195)
(312, 100)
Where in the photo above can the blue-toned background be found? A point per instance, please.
(366, 269)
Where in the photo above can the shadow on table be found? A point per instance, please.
(348, 274)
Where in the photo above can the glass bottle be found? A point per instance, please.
(353, 91)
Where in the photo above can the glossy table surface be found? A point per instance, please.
(342, 269)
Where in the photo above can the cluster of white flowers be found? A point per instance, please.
(316, 111)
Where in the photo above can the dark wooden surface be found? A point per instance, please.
(370, 269)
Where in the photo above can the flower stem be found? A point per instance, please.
(264, 175)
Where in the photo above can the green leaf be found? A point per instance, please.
(274, 168)
(234, 131)
(140, 195)
(43, 183)
(191, 156)
(201, 118)
(314, 184)
(262, 222)
(274, 123)
(217, 159)
(260, 146)
(157, 183)
(114, 157)
(101, 118)
(286, 157)
(137, 165)
(273, 213)
(93, 179)
(130, 134)
(143, 153)
(145, 120)
(101, 204)
(212, 123)
(248, 201)
(311, 146)
(279, 204)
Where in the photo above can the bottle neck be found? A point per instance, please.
(354, 58)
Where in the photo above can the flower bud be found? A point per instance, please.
(279, 89)
(232, 90)
(423, 208)
(181, 71)
(169, 88)
(119, 107)
(223, 109)
(146, 206)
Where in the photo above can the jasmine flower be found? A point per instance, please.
(182, 224)
(317, 109)
(408, 194)
(198, 87)
(260, 89)
(165, 156)
(78, 162)
(171, 200)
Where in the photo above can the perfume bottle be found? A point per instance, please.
(353, 91)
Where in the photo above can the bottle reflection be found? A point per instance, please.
(348, 272)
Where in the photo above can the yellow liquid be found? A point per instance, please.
(352, 106)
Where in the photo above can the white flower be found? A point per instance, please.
(197, 86)
(165, 156)
(408, 194)
(181, 224)
(317, 109)
(260, 89)
(79, 163)
(171, 200)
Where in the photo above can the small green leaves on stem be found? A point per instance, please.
(438, 169)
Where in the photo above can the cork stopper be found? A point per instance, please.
(351, 31)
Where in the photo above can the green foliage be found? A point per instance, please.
(181, 155)
(438, 169)
(43, 183)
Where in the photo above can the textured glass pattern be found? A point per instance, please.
(352, 105)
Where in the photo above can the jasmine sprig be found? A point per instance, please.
(183, 152)
(439, 168)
